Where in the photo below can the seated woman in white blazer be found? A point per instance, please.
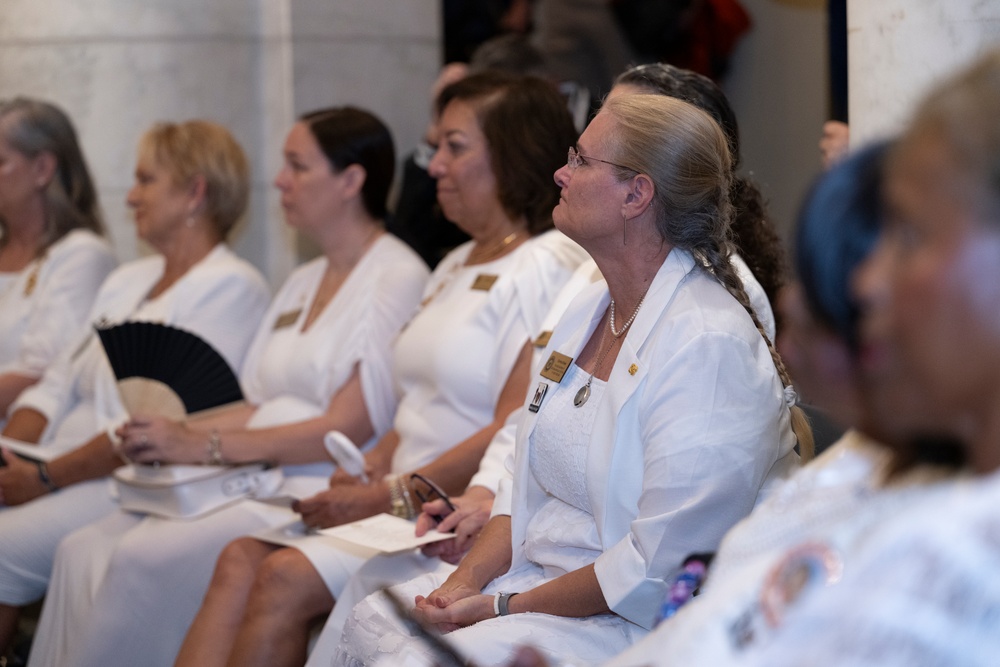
(126, 588)
(191, 187)
(660, 412)
(53, 257)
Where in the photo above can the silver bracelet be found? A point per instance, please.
(43, 475)
(215, 448)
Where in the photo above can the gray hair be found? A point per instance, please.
(37, 127)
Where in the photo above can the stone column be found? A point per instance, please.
(898, 49)
(117, 66)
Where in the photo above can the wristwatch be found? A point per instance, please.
(500, 603)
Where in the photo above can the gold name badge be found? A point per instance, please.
(555, 368)
(484, 281)
(287, 319)
(543, 339)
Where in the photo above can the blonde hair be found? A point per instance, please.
(201, 148)
(685, 153)
(35, 127)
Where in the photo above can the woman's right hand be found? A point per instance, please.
(472, 512)
(452, 591)
(156, 439)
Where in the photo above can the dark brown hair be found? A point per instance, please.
(346, 136)
(528, 130)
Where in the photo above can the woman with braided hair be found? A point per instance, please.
(760, 248)
(659, 413)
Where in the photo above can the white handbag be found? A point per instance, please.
(191, 491)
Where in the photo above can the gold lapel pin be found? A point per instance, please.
(633, 369)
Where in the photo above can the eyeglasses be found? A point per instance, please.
(432, 493)
(575, 159)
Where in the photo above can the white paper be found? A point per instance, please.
(384, 533)
(33, 452)
(278, 501)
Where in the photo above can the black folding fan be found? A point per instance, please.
(162, 370)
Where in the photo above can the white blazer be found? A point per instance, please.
(692, 423)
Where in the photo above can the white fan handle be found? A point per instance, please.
(346, 454)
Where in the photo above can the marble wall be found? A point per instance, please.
(117, 66)
(900, 48)
(777, 86)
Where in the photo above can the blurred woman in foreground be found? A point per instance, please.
(925, 591)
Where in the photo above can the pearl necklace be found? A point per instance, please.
(584, 393)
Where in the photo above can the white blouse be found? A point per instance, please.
(221, 299)
(291, 374)
(43, 307)
(453, 359)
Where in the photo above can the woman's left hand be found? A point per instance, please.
(155, 439)
(19, 481)
(458, 614)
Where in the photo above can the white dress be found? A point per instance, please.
(923, 592)
(454, 357)
(813, 524)
(691, 425)
(383, 570)
(125, 589)
(221, 299)
(44, 306)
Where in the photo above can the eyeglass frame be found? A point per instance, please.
(427, 498)
(574, 160)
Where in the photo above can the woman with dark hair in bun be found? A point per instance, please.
(461, 365)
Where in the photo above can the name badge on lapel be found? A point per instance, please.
(536, 401)
(484, 281)
(555, 368)
(287, 319)
(543, 339)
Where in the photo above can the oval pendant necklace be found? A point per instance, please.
(584, 392)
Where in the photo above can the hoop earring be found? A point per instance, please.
(624, 230)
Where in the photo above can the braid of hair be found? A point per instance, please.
(716, 255)
(755, 237)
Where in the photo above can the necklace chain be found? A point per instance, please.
(496, 250)
(611, 323)
(584, 392)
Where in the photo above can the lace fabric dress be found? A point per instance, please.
(562, 537)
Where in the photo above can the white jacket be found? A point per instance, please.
(691, 425)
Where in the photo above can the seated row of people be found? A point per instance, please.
(657, 413)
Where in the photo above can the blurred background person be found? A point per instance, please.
(53, 256)
(191, 187)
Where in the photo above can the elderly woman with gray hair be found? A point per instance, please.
(660, 412)
(52, 254)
